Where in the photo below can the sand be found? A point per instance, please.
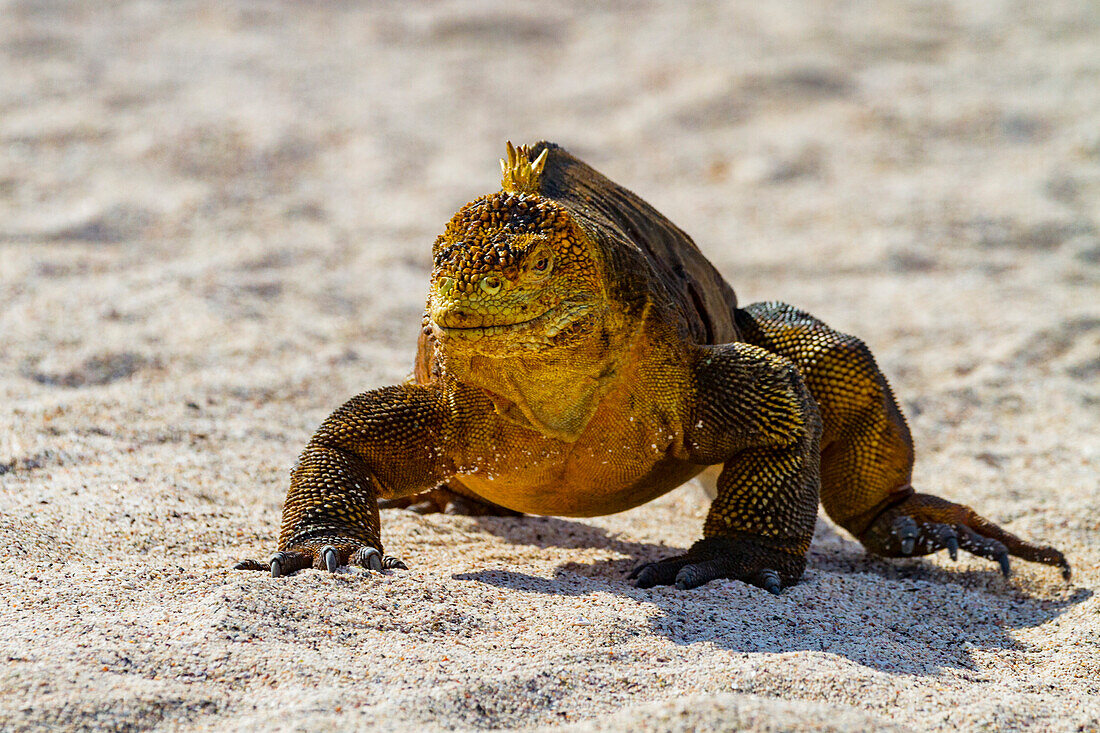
(215, 226)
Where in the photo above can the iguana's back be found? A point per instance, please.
(684, 277)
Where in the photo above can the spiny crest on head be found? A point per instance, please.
(520, 174)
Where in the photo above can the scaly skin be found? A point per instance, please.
(579, 356)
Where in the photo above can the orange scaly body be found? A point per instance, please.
(579, 356)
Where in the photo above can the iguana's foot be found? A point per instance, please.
(444, 500)
(323, 557)
(923, 524)
(723, 557)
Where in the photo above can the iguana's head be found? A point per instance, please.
(513, 273)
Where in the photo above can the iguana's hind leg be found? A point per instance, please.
(753, 416)
(867, 451)
(449, 498)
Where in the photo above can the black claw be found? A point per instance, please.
(250, 565)
(1066, 572)
(331, 558)
(906, 530)
(276, 568)
(690, 576)
(393, 563)
(952, 543)
(1002, 558)
(664, 572)
(369, 558)
(770, 581)
(646, 578)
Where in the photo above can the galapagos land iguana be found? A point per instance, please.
(578, 357)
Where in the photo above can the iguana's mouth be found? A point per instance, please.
(549, 323)
(499, 326)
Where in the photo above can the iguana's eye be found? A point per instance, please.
(539, 263)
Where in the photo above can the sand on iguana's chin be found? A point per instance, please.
(215, 226)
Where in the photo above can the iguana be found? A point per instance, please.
(579, 356)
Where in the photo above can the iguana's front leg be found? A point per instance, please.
(753, 414)
(385, 443)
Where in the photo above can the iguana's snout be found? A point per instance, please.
(487, 303)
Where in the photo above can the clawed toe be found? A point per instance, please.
(948, 538)
(251, 565)
(924, 524)
(906, 531)
(654, 574)
(368, 557)
(331, 558)
(393, 563)
(986, 547)
(327, 558)
(372, 559)
(930, 537)
(287, 562)
(722, 557)
(697, 574)
(769, 580)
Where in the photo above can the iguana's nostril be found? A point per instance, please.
(491, 284)
(446, 285)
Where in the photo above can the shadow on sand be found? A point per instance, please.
(908, 616)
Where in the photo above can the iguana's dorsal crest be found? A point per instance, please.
(520, 174)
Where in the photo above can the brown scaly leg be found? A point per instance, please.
(753, 414)
(449, 498)
(867, 452)
(387, 443)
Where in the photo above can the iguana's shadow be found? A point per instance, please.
(907, 617)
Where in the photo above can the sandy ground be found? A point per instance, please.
(215, 226)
